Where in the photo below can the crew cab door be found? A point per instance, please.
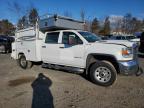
(71, 50)
(50, 48)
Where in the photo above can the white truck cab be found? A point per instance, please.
(76, 50)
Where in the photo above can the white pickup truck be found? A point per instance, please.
(75, 50)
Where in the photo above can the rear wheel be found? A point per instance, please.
(23, 63)
(103, 73)
(3, 49)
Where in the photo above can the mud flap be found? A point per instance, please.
(139, 72)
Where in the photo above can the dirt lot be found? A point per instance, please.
(28, 89)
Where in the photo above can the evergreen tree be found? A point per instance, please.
(95, 26)
(6, 27)
(107, 28)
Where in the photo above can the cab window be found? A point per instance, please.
(71, 38)
(52, 38)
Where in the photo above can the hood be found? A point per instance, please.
(117, 42)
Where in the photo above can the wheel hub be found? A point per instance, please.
(102, 74)
(23, 62)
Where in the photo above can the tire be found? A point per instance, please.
(3, 48)
(103, 73)
(23, 63)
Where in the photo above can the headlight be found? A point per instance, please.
(127, 52)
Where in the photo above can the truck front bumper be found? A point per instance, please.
(129, 67)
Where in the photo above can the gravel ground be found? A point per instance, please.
(45, 88)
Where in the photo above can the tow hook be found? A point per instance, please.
(139, 72)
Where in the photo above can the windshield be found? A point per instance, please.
(90, 37)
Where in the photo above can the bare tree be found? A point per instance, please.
(127, 23)
(16, 8)
(117, 24)
(25, 15)
(67, 14)
(87, 25)
(82, 14)
(23, 22)
(136, 25)
(142, 29)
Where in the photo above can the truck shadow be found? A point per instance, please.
(42, 97)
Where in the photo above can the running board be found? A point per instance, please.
(60, 67)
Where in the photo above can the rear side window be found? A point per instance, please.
(52, 38)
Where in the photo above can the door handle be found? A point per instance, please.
(61, 47)
(43, 46)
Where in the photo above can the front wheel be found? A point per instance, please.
(103, 73)
(23, 63)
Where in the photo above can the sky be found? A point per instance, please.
(92, 8)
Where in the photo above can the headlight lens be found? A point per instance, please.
(127, 52)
